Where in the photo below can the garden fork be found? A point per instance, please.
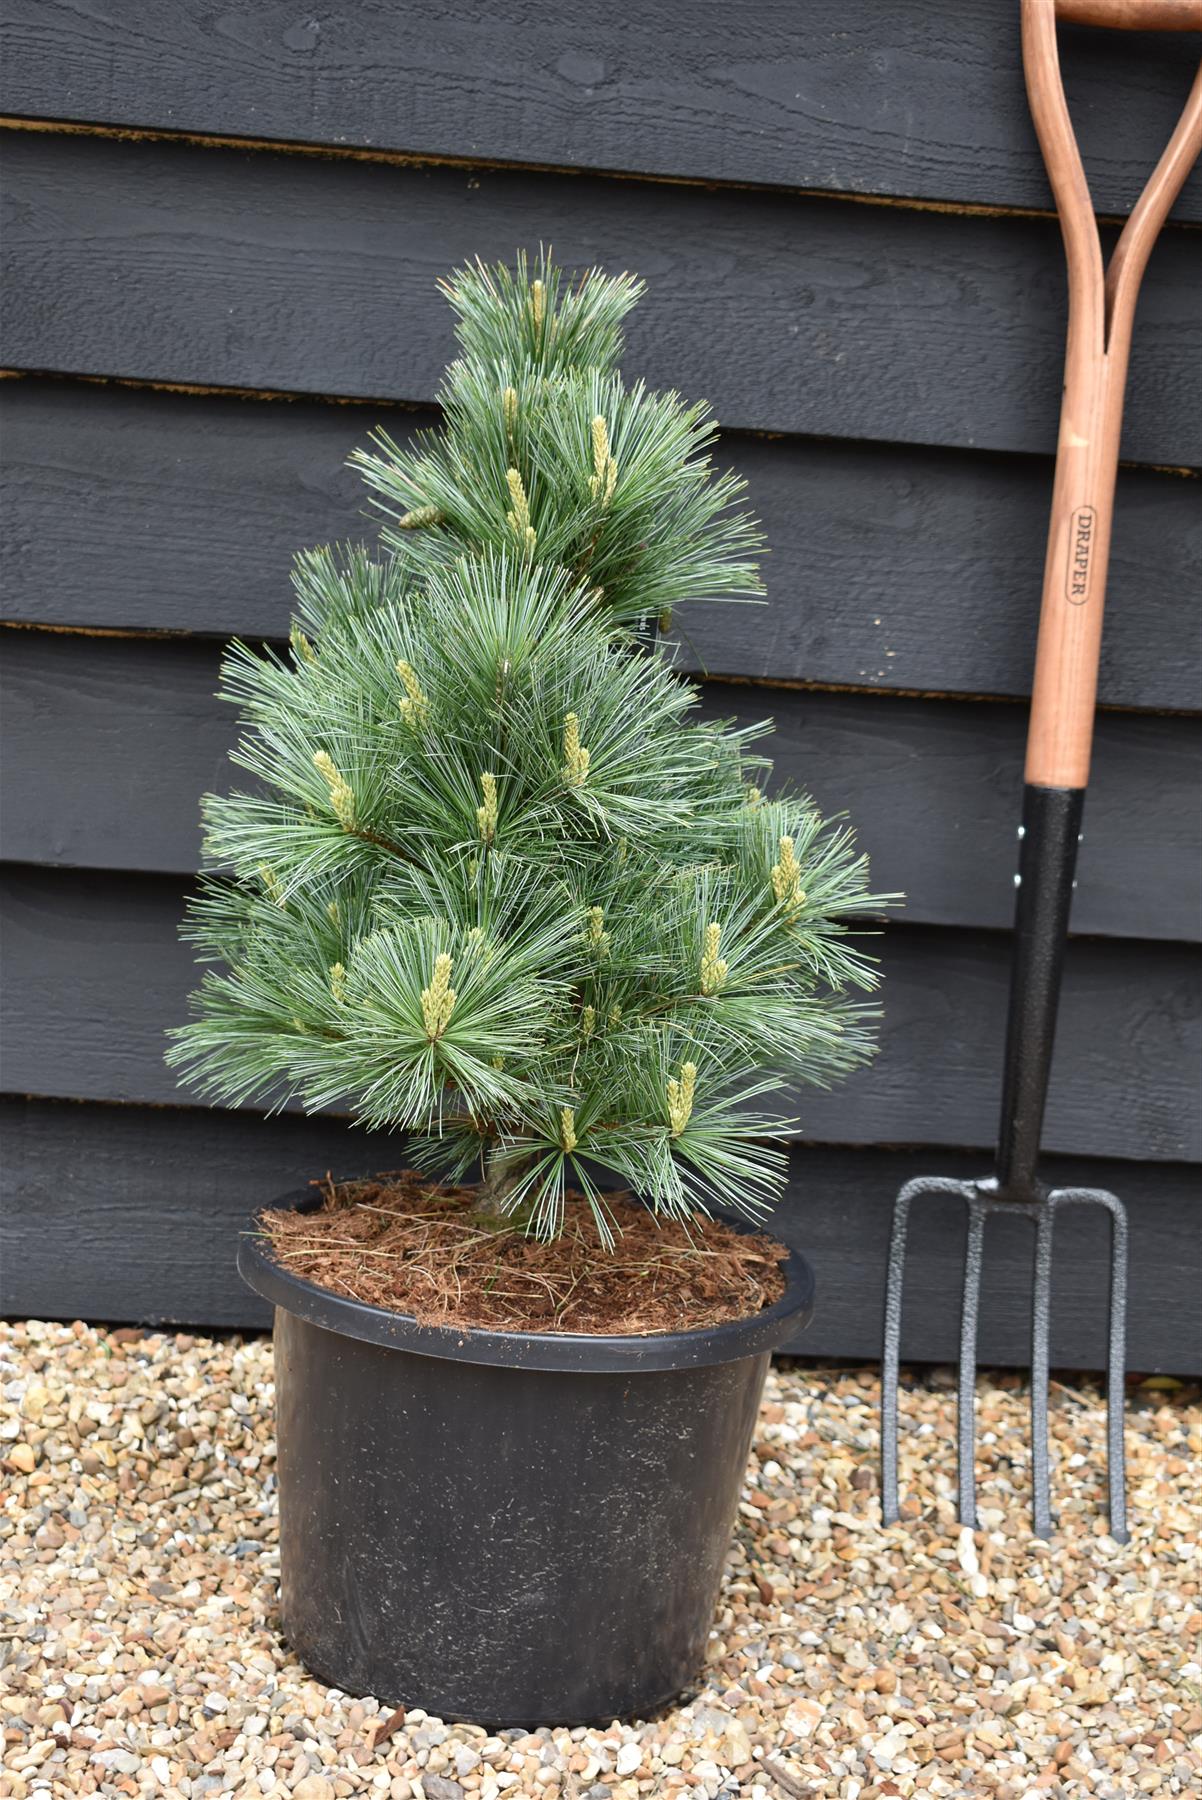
(1101, 314)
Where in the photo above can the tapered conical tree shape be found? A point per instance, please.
(496, 884)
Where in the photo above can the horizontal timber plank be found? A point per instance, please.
(108, 743)
(877, 98)
(96, 975)
(158, 1197)
(169, 262)
(890, 568)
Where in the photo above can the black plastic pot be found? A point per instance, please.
(515, 1528)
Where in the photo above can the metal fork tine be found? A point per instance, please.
(966, 1398)
(1041, 1308)
(891, 1352)
(1116, 1368)
(982, 1198)
(891, 1346)
(1116, 1351)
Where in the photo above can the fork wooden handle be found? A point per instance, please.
(1133, 15)
(1101, 314)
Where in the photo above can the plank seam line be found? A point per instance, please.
(888, 1146)
(415, 159)
(868, 925)
(418, 159)
(213, 390)
(769, 683)
(860, 1146)
(760, 434)
(865, 924)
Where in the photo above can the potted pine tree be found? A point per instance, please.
(496, 886)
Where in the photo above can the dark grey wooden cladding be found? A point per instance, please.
(108, 742)
(159, 1197)
(96, 974)
(819, 96)
(889, 568)
(904, 353)
(247, 269)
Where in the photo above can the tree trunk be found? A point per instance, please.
(500, 1174)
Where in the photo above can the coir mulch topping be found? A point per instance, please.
(399, 1241)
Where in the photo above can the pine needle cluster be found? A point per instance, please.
(494, 882)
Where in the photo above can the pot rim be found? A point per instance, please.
(561, 1352)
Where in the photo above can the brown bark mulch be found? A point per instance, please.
(423, 1248)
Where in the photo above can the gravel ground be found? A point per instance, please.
(138, 1612)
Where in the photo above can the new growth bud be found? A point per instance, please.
(567, 1129)
(273, 885)
(596, 937)
(576, 758)
(415, 708)
(302, 649)
(342, 798)
(713, 967)
(680, 1098)
(438, 1000)
(338, 981)
(421, 515)
(605, 470)
(518, 516)
(786, 878)
(486, 815)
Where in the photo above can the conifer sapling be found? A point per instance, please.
(496, 884)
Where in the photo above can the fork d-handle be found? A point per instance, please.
(1101, 316)
(1132, 15)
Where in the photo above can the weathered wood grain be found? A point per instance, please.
(160, 1195)
(876, 98)
(96, 975)
(889, 567)
(170, 262)
(107, 744)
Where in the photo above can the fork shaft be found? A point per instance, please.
(1047, 860)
